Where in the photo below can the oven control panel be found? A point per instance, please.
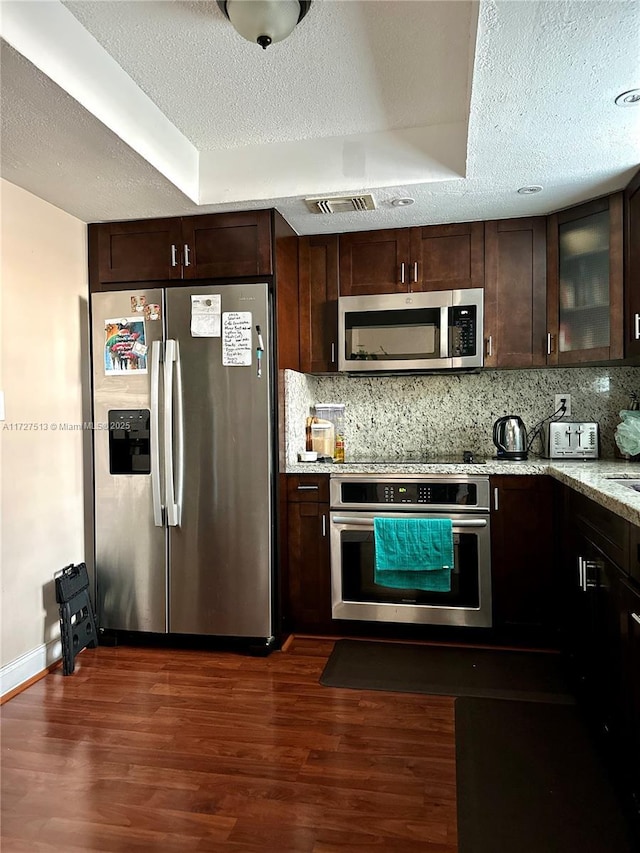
(357, 492)
(419, 493)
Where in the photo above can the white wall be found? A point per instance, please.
(43, 369)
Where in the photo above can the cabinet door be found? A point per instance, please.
(632, 268)
(601, 669)
(524, 579)
(318, 303)
(145, 250)
(374, 262)
(585, 286)
(309, 593)
(447, 257)
(227, 245)
(515, 295)
(630, 629)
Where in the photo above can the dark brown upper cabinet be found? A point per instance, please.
(318, 303)
(227, 245)
(144, 250)
(632, 268)
(447, 257)
(515, 304)
(585, 283)
(220, 245)
(374, 262)
(433, 257)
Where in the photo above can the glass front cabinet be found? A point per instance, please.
(585, 283)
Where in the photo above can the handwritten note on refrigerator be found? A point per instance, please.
(236, 338)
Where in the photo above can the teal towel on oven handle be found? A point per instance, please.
(413, 553)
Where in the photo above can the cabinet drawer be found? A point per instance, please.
(308, 487)
(607, 531)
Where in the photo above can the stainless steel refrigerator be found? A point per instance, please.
(184, 457)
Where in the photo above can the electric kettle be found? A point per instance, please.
(510, 437)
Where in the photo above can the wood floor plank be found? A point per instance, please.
(146, 749)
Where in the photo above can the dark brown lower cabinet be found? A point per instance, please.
(630, 636)
(594, 641)
(523, 557)
(309, 569)
(601, 637)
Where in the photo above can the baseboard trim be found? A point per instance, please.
(29, 668)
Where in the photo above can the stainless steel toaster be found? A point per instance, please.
(562, 440)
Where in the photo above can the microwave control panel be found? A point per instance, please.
(463, 330)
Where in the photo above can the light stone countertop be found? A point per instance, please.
(592, 479)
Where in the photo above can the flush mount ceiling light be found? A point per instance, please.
(402, 202)
(534, 188)
(629, 99)
(264, 21)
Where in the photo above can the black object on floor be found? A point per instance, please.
(446, 670)
(77, 620)
(530, 781)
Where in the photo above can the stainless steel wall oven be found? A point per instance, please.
(357, 499)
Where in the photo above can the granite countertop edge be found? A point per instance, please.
(591, 478)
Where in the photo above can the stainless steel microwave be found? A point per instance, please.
(396, 332)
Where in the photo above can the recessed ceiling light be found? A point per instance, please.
(530, 190)
(629, 99)
(402, 202)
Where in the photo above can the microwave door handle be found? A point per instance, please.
(444, 332)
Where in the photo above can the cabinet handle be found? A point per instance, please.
(495, 498)
(174, 255)
(635, 618)
(187, 254)
(637, 326)
(490, 346)
(308, 488)
(415, 272)
(324, 526)
(581, 574)
(402, 273)
(597, 566)
(549, 343)
(333, 352)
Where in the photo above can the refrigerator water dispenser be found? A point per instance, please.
(129, 447)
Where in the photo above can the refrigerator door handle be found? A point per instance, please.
(179, 422)
(156, 350)
(169, 360)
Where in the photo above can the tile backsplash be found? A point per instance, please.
(433, 414)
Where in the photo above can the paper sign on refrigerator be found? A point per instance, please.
(125, 348)
(205, 316)
(236, 338)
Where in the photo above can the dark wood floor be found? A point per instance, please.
(156, 750)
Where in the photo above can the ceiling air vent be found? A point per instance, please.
(341, 204)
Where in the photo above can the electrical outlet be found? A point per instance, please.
(567, 404)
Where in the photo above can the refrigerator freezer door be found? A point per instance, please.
(130, 548)
(220, 577)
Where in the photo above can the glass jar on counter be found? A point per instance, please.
(334, 412)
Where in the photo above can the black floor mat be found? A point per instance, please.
(452, 671)
(530, 781)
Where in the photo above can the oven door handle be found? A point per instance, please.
(367, 521)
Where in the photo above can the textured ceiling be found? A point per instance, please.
(119, 110)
